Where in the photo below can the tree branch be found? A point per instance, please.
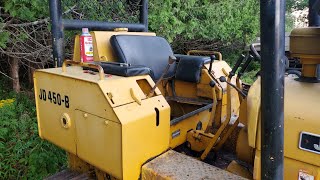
(6, 75)
(41, 21)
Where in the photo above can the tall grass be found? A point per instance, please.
(23, 155)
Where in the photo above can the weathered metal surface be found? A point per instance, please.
(174, 165)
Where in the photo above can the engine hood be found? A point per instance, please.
(302, 114)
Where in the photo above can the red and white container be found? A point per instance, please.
(86, 46)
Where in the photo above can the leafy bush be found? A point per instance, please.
(226, 25)
(226, 20)
(23, 155)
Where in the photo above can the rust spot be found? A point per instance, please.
(299, 118)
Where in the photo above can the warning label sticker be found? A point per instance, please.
(305, 176)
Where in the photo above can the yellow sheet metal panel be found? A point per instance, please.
(102, 50)
(83, 90)
(113, 86)
(302, 102)
(36, 95)
(217, 71)
(243, 150)
(203, 87)
(143, 136)
(76, 49)
(119, 89)
(253, 110)
(178, 132)
(174, 165)
(113, 133)
(58, 96)
(220, 68)
(99, 142)
(292, 169)
(243, 112)
(257, 166)
(301, 115)
(186, 89)
(199, 140)
(305, 41)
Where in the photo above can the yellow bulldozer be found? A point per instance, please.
(139, 111)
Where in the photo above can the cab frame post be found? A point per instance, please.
(57, 32)
(272, 87)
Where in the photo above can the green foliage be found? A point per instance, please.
(293, 5)
(4, 37)
(4, 89)
(21, 11)
(296, 5)
(250, 75)
(111, 11)
(226, 20)
(26, 10)
(23, 155)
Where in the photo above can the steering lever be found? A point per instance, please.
(236, 66)
(172, 59)
(223, 79)
(212, 58)
(244, 67)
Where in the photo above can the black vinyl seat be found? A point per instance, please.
(189, 67)
(150, 55)
(149, 51)
(121, 69)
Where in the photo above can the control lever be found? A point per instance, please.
(236, 66)
(245, 65)
(222, 127)
(212, 84)
(254, 50)
(212, 58)
(223, 79)
(172, 59)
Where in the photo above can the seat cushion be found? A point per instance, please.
(149, 51)
(189, 67)
(125, 70)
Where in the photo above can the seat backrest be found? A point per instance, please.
(190, 67)
(149, 51)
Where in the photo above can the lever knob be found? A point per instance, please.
(212, 57)
(223, 79)
(212, 84)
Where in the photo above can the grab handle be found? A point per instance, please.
(202, 52)
(93, 66)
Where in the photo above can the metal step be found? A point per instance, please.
(174, 165)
